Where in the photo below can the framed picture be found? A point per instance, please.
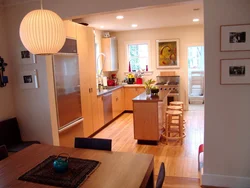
(27, 57)
(28, 79)
(167, 54)
(235, 71)
(235, 38)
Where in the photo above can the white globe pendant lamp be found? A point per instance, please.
(42, 32)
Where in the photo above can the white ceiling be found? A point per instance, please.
(169, 16)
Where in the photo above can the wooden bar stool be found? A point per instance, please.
(180, 104)
(177, 103)
(170, 127)
(177, 108)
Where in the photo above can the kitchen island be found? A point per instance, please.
(149, 113)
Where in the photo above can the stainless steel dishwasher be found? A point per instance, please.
(107, 107)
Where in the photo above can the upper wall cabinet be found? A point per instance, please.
(109, 48)
(70, 29)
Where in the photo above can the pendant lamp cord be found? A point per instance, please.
(41, 1)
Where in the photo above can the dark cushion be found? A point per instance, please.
(20, 146)
(161, 176)
(3, 152)
(93, 143)
(9, 132)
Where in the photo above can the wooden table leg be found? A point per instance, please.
(150, 183)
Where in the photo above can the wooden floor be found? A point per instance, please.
(180, 161)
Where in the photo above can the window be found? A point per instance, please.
(138, 55)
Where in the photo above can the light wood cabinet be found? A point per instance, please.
(86, 55)
(130, 93)
(109, 48)
(100, 114)
(117, 102)
(70, 29)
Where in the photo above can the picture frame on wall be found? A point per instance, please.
(27, 57)
(28, 79)
(167, 52)
(235, 71)
(235, 38)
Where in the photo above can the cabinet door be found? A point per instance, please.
(85, 83)
(109, 48)
(130, 93)
(99, 113)
(140, 90)
(121, 100)
(70, 29)
(115, 103)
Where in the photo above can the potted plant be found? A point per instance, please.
(148, 86)
(154, 90)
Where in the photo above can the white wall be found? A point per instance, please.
(6, 94)
(32, 105)
(187, 35)
(227, 120)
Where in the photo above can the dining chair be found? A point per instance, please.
(93, 143)
(161, 176)
(3, 152)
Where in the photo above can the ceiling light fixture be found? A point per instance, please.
(196, 20)
(102, 27)
(134, 25)
(120, 17)
(196, 15)
(42, 32)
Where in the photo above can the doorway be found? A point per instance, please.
(196, 79)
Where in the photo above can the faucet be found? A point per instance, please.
(101, 54)
(100, 75)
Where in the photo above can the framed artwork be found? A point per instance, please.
(167, 54)
(27, 57)
(28, 79)
(235, 38)
(235, 71)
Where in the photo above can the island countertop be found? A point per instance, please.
(145, 98)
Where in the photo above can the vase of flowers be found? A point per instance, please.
(148, 85)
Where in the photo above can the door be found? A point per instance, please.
(196, 74)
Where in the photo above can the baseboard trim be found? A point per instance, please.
(225, 181)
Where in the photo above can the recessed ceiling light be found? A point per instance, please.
(196, 19)
(134, 25)
(120, 17)
(102, 27)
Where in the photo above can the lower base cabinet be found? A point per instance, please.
(117, 102)
(130, 93)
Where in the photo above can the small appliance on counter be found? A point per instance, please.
(115, 79)
(104, 81)
(138, 80)
(111, 82)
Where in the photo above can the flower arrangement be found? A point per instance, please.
(148, 85)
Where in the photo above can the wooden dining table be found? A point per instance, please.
(117, 169)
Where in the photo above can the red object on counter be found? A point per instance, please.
(129, 67)
(138, 80)
(111, 82)
(146, 67)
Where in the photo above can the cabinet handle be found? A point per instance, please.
(89, 90)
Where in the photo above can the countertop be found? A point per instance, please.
(158, 98)
(112, 88)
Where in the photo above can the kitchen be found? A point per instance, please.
(92, 105)
(105, 104)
